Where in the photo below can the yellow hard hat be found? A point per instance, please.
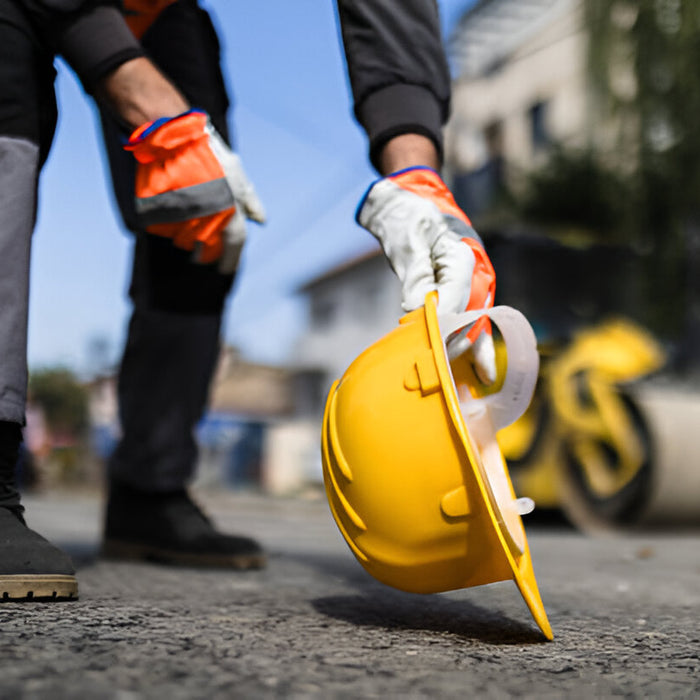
(414, 476)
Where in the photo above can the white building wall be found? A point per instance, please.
(548, 66)
(291, 457)
(362, 302)
(365, 303)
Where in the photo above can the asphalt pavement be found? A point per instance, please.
(313, 624)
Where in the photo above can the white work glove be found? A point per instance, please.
(431, 245)
(248, 204)
(191, 187)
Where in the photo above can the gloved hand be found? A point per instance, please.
(431, 245)
(192, 188)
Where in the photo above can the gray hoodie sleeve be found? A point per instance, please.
(397, 68)
(90, 34)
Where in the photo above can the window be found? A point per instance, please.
(493, 136)
(322, 312)
(367, 300)
(538, 125)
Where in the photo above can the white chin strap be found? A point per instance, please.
(506, 406)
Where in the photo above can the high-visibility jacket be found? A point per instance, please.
(396, 63)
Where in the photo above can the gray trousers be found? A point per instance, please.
(19, 170)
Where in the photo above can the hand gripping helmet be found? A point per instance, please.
(414, 476)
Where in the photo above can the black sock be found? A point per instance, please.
(10, 440)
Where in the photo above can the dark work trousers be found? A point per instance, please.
(173, 338)
(27, 124)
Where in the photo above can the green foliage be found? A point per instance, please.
(575, 191)
(63, 398)
(638, 181)
(656, 43)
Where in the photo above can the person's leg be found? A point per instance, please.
(30, 567)
(172, 346)
(170, 356)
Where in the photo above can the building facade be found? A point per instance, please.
(350, 307)
(519, 85)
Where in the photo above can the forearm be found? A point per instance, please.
(94, 39)
(408, 151)
(137, 92)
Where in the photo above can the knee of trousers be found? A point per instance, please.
(164, 278)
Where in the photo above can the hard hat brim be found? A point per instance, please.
(520, 565)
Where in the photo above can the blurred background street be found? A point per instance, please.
(315, 624)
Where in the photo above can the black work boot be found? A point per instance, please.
(170, 528)
(30, 567)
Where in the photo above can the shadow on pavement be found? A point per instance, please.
(377, 605)
(402, 611)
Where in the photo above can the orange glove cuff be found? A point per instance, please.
(174, 153)
(483, 290)
(180, 185)
(428, 184)
(157, 139)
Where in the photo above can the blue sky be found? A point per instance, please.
(301, 147)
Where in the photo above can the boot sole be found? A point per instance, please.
(41, 587)
(129, 551)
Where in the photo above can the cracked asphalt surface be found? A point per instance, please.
(624, 611)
